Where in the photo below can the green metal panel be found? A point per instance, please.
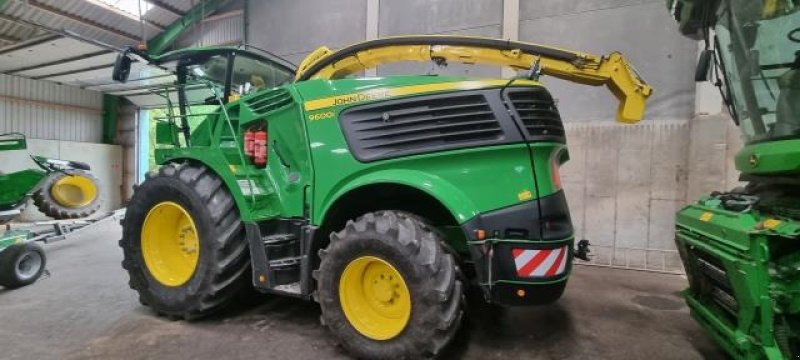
(17, 185)
(456, 178)
(13, 141)
(773, 157)
(757, 253)
(166, 133)
(110, 114)
(13, 237)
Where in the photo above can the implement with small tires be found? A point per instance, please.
(22, 258)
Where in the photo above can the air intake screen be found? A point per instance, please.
(421, 124)
(538, 113)
(269, 101)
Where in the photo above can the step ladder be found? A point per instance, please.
(279, 256)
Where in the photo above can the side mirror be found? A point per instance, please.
(122, 68)
(703, 65)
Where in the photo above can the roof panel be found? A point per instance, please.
(102, 24)
(61, 48)
(83, 78)
(101, 78)
(131, 85)
(94, 61)
(94, 11)
(21, 10)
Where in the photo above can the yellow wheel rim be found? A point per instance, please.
(375, 298)
(170, 244)
(74, 191)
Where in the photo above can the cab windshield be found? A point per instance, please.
(759, 43)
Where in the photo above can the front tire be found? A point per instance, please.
(371, 312)
(184, 244)
(21, 264)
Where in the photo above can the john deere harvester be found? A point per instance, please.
(381, 198)
(741, 248)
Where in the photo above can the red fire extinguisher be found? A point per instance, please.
(260, 148)
(249, 137)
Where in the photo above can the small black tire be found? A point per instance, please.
(223, 267)
(21, 264)
(415, 249)
(48, 205)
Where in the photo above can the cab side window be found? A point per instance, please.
(206, 79)
(251, 75)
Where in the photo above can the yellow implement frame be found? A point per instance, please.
(613, 70)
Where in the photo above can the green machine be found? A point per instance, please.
(60, 189)
(381, 198)
(741, 248)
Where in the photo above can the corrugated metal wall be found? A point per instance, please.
(224, 31)
(45, 110)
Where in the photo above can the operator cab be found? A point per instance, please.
(230, 72)
(206, 80)
(205, 74)
(755, 62)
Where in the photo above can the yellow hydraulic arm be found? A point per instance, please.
(612, 70)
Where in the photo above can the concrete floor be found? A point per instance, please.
(84, 309)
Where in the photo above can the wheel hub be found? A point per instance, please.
(374, 298)
(170, 244)
(28, 265)
(74, 191)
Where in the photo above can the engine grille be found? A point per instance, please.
(269, 101)
(421, 124)
(537, 111)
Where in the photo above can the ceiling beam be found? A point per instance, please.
(165, 6)
(225, 15)
(29, 43)
(51, 34)
(71, 72)
(81, 20)
(161, 42)
(59, 62)
(9, 39)
(17, 21)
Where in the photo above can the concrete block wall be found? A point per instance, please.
(624, 184)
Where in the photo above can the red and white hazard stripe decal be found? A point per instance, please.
(538, 263)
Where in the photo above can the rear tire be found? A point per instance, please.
(412, 248)
(222, 264)
(21, 264)
(50, 206)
